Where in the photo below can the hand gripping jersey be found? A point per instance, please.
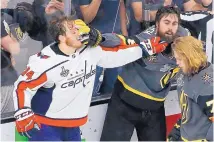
(200, 24)
(147, 81)
(58, 87)
(196, 102)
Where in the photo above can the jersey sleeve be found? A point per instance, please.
(206, 103)
(119, 55)
(190, 20)
(169, 76)
(193, 15)
(27, 84)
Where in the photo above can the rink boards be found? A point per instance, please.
(91, 131)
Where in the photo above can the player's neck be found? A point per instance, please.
(68, 50)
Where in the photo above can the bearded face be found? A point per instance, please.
(167, 27)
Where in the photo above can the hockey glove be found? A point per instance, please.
(26, 122)
(128, 40)
(175, 134)
(153, 46)
(149, 46)
(88, 35)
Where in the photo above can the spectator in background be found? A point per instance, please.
(9, 47)
(108, 16)
(33, 18)
(138, 9)
(142, 14)
(183, 5)
(134, 26)
(203, 5)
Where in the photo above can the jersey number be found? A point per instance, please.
(211, 103)
(27, 73)
(184, 107)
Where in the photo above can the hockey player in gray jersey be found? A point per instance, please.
(195, 89)
(140, 90)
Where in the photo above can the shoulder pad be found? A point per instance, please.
(200, 84)
(42, 60)
(147, 34)
(182, 32)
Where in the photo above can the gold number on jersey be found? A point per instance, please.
(184, 107)
(209, 103)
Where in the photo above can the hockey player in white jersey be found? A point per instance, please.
(52, 96)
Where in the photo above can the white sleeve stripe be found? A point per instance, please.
(194, 17)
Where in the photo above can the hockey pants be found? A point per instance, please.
(51, 133)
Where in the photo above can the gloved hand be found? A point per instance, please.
(175, 134)
(26, 122)
(153, 45)
(149, 46)
(88, 35)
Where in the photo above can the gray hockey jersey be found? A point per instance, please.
(196, 102)
(147, 81)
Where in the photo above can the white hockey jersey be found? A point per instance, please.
(59, 87)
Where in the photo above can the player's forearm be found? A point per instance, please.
(189, 4)
(137, 9)
(10, 45)
(89, 12)
(119, 56)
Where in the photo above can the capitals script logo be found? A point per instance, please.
(80, 79)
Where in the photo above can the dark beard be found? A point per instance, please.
(168, 39)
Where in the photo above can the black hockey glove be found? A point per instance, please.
(175, 134)
(25, 16)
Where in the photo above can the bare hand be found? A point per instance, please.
(53, 6)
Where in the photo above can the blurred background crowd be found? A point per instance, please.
(18, 42)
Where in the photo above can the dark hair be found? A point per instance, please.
(25, 16)
(164, 11)
(56, 26)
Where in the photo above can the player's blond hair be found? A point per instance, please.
(191, 51)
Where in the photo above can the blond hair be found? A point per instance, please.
(191, 51)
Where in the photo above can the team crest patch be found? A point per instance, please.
(180, 80)
(165, 68)
(42, 56)
(152, 59)
(207, 78)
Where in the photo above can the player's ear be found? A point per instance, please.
(62, 38)
(156, 26)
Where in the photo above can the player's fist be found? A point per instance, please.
(26, 122)
(153, 45)
(175, 134)
(128, 40)
(88, 35)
